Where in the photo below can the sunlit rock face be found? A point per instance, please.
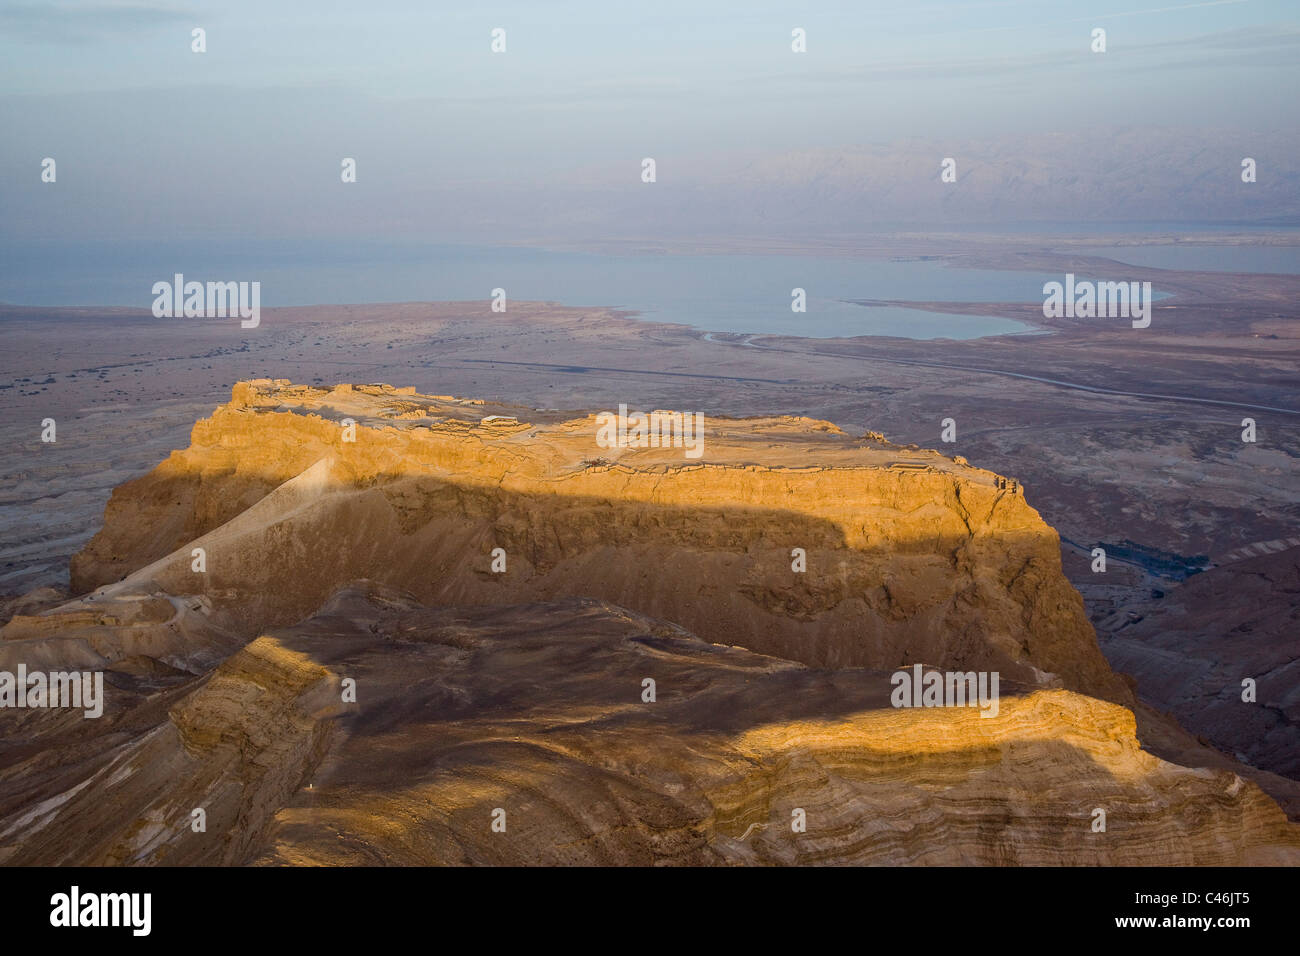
(910, 556)
(471, 634)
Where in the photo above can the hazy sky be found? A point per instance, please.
(153, 140)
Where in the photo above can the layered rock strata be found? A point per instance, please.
(910, 556)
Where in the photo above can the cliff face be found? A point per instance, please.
(910, 557)
(307, 649)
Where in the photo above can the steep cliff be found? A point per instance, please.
(910, 556)
(314, 653)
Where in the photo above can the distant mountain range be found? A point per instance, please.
(1091, 176)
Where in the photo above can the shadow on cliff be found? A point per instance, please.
(274, 552)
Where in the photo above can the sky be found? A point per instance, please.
(154, 140)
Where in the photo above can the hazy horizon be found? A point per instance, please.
(547, 138)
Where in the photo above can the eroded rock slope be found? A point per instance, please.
(537, 716)
(306, 647)
(911, 557)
